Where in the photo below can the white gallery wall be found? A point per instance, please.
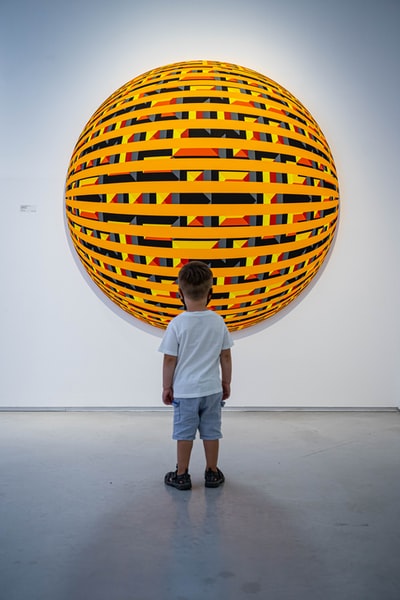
(62, 344)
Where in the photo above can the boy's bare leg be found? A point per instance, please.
(211, 449)
(184, 450)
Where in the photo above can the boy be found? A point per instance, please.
(195, 346)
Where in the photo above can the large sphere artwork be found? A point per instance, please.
(209, 161)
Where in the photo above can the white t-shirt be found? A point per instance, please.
(197, 339)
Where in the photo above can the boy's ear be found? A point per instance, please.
(182, 297)
(209, 295)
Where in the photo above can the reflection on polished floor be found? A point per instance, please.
(310, 508)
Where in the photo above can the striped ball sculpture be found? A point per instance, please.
(202, 160)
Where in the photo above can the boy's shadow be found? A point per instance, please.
(204, 543)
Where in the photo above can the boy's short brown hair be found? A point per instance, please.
(195, 279)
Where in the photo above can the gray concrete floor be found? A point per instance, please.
(310, 509)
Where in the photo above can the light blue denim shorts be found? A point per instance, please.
(192, 414)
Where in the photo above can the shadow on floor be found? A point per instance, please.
(171, 545)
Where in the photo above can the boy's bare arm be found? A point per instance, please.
(225, 359)
(169, 365)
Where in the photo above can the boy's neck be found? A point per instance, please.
(196, 305)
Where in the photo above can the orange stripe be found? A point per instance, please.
(198, 123)
(193, 143)
(203, 83)
(197, 233)
(202, 164)
(238, 299)
(202, 187)
(238, 102)
(193, 253)
(184, 124)
(206, 210)
(174, 271)
(270, 284)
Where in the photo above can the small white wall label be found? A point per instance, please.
(28, 208)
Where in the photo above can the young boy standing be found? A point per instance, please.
(197, 371)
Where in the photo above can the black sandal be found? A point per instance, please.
(180, 482)
(213, 479)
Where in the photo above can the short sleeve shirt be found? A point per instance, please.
(196, 339)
